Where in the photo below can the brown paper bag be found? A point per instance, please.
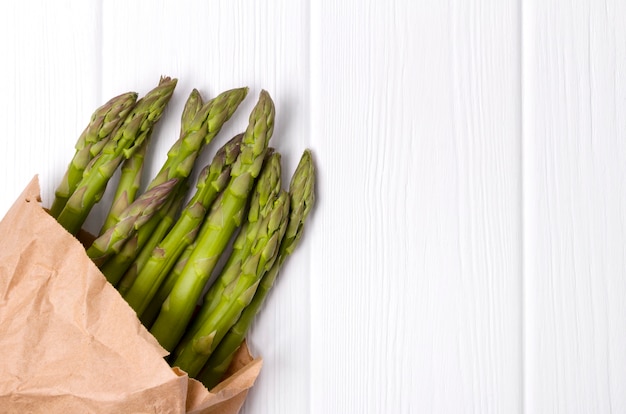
(71, 344)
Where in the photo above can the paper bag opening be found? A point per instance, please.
(70, 341)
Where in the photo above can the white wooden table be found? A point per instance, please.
(467, 252)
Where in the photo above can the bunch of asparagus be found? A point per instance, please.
(160, 252)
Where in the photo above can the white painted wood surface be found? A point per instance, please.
(416, 250)
(467, 250)
(574, 193)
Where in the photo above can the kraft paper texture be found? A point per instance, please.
(71, 344)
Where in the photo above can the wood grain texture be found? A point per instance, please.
(416, 247)
(575, 200)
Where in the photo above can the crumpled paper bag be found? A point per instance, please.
(71, 344)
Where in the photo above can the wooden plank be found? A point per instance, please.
(48, 77)
(214, 46)
(574, 151)
(416, 243)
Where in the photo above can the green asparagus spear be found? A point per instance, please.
(193, 354)
(302, 194)
(127, 187)
(211, 182)
(181, 158)
(155, 238)
(149, 315)
(217, 364)
(131, 169)
(103, 123)
(207, 122)
(131, 219)
(117, 265)
(266, 190)
(130, 258)
(225, 217)
(192, 106)
(127, 139)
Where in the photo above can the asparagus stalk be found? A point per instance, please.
(131, 169)
(127, 187)
(211, 182)
(205, 125)
(127, 139)
(157, 235)
(225, 217)
(122, 262)
(193, 354)
(103, 122)
(117, 265)
(149, 315)
(220, 359)
(266, 190)
(192, 106)
(302, 195)
(131, 219)
(152, 310)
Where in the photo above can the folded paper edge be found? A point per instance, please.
(201, 400)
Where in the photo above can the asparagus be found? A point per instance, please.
(193, 354)
(127, 139)
(302, 195)
(132, 169)
(131, 219)
(153, 308)
(117, 265)
(103, 122)
(127, 187)
(122, 262)
(211, 182)
(220, 359)
(192, 106)
(268, 186)
(205, 125)
(151, 312)
(164, 226)
(225, 217)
